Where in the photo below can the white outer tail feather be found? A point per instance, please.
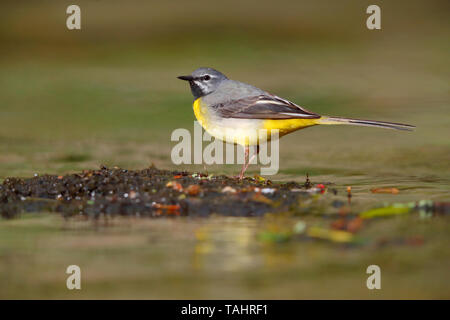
(366, 123)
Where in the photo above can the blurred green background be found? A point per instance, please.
(108, 94)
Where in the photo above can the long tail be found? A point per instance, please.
(367, 123)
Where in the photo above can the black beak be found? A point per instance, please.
(186, 78)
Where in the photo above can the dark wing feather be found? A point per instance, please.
(262, 107)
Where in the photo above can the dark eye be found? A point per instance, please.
(206, 78)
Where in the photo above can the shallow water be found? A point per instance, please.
(233, 257)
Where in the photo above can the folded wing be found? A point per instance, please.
(262, 107)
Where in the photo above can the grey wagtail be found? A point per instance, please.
(234, 111)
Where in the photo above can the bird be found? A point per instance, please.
(234, 111)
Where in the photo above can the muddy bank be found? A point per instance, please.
(150, 192)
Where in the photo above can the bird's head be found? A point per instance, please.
(203, 81)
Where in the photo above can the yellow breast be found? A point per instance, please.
(201, 113)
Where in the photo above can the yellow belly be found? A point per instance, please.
(288, 125)
(245, 131)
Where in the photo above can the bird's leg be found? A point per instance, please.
(245, 165)
(251, 158)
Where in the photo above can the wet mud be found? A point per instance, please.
(150, 192)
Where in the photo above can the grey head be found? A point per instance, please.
(204, 81)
